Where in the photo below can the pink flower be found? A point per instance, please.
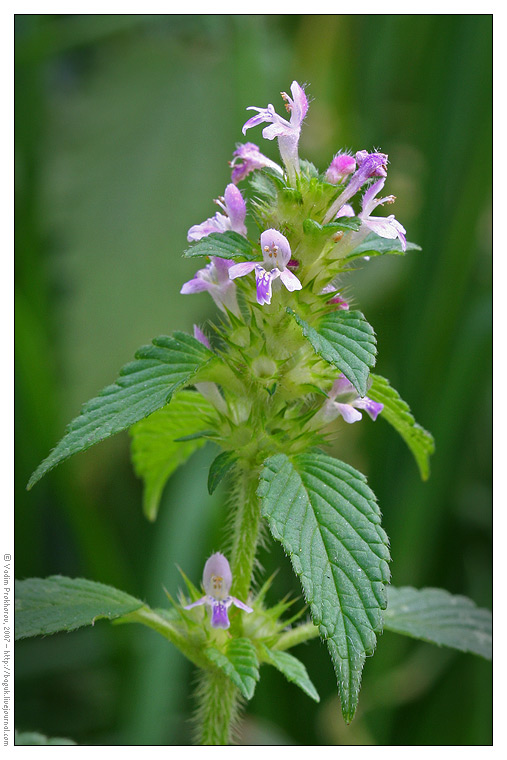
(287, 132)
(344, 401)
(340, 167)
(277, 255)
(368, 165)
(214, 278)
(246, 158)
(386, 227)
(217, 581)
(234, 219)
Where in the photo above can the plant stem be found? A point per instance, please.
(246, 528)
(218, 708)
(218, 698)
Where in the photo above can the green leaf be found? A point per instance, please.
(345, 340)
(239, 663)
(143, 386)
(49, 605)
(219, 468)
(155, 451)
(227, 245)
(435, 615)
(293, 670)
(33, 738)
(397, 413)
(374, 245)
(328, 521)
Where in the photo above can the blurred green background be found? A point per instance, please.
(124, 126)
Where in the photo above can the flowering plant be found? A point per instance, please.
(287, 361)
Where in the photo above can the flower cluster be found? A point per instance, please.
(286, 258)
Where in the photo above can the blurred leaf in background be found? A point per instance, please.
(124, 126)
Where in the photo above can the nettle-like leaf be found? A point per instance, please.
(227, 245)
(374, 245)
(239, 662)
(49, 605)
(398, 414)
(143, 386)
(345, 340)
(435, 615)
(293, 670)
(156, 450)
(328, 521)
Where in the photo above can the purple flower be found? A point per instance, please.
(277, 254)
(287, 132)
(340, 167)
(217, 580)
(369, 165)
(386, 227)
(215, 279)
(246, 158)
(343, 400)
(234, 219)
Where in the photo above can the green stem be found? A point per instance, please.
(218, 698)
(246, 528)
(218, 708)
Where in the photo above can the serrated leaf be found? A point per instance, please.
(155, 451)
(345, 340)
(49, 605)
(328, 521)
(219, 468)
(374, 245)
(398, 414)
(143, 386)
(293, 670)
(239, 662)
(227, 245)
(435, 615)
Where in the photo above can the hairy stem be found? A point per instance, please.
(217, 710)
(218, 698)
(246, 528)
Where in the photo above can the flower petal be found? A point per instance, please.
(341, 386)
(263, 281)
(368, 204)
(196, 285)
(373, 408)
(241, 605)
(290, 280)
(382, 226)
(201, 337)
(299, 103)
(241, 269)
(236, 208)
(202, 600)
(217, 577)
(219, 616)
(348, 412)
(275, 243)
